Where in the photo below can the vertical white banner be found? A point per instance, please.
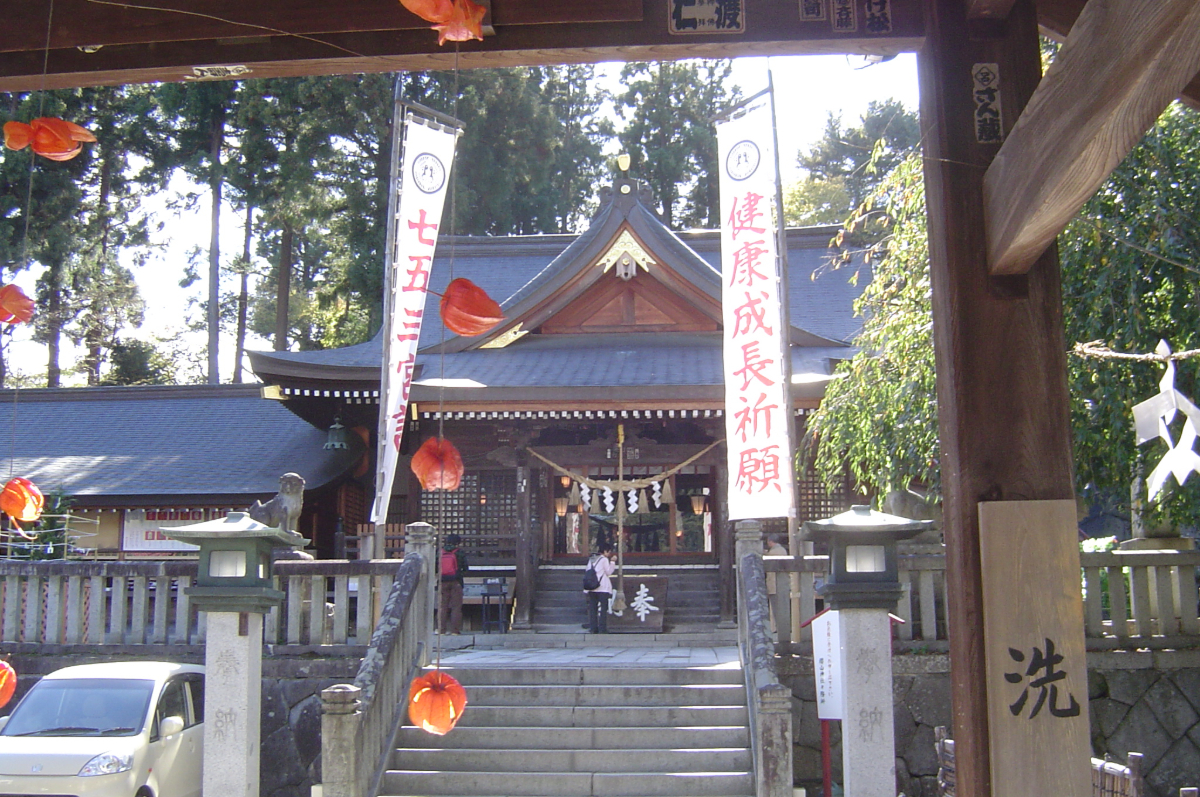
(424, 176)
(757, 396)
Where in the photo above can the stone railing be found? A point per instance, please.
(44, 605)
(769, 702)
(1132, 599)
(359, 721)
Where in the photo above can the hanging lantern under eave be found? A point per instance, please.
(339, 436)
(697, 504)
(560, 506)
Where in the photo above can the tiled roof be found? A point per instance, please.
(159, 443)
(520, 271)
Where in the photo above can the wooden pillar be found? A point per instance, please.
(526, 568)
(1001, 363)
(724, 544)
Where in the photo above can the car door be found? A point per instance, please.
(167, 755)
(190, 764)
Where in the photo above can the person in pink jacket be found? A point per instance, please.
(598, 598)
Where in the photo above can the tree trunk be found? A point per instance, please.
(283, 283)
(243, 300)
(216, 182)
(53, 324)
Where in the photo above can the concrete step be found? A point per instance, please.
(601, 716)
(705, 637)
(730, 759)
(472, 676)
(568, 784)
(604, 695)
(551, 738)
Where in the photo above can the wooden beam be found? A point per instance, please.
(1001, 367)
(1055, 18)
(988, 9)
(773, 27)
(1123, 63)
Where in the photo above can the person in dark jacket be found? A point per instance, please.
(452, 564)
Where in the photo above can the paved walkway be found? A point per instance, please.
(614, 655)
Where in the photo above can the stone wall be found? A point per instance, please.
(1145, 702)
(290, 759)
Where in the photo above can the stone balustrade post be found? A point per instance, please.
(774, 774)
(340, 719)
(419, 538)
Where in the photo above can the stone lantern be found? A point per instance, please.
(862, 588)
(233, 587)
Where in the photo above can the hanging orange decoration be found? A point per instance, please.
(454, 20)
(21, 500)
(438, 465)
(15, 306)
(48, 136)
(468, 310)
(8, 682)
(435, 702)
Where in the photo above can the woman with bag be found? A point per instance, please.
(598, 596)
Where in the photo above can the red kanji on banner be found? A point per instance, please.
(420, 225)
(748, 418)
(751, 317)
(753, 366)
(758, 469)
(746, 261)
(745, 212)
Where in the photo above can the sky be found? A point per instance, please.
(808, 89)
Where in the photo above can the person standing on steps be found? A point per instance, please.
(451, 564)
(598, 598)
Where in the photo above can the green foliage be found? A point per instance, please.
(879, 417)
(669, 137)
(807, 203)
(861, 155)
(137, 362)
(1129, 280)
(49, 533)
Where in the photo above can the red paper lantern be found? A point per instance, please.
(468, 310)
(50, 137)
(435, 702)
(14, 305)
(8, 682)
(454, 20)
(438, 465)
(21, 500)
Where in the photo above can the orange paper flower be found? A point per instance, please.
(8, 682)
(435, 702)
(14, 305)
(48, 136)
(438, 465)
(21, 500)
(454, 20)
(468, 310)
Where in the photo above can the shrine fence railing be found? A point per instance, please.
(1131, 599)
(144, 604)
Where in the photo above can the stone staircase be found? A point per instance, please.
(579, 732)
(693, 598)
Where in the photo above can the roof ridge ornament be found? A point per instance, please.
(626, 254)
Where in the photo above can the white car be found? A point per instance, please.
(121, 729)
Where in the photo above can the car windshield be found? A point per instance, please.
(82, 707)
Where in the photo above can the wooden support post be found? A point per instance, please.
(526, 567)
(724, 545)
(1002, 391)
